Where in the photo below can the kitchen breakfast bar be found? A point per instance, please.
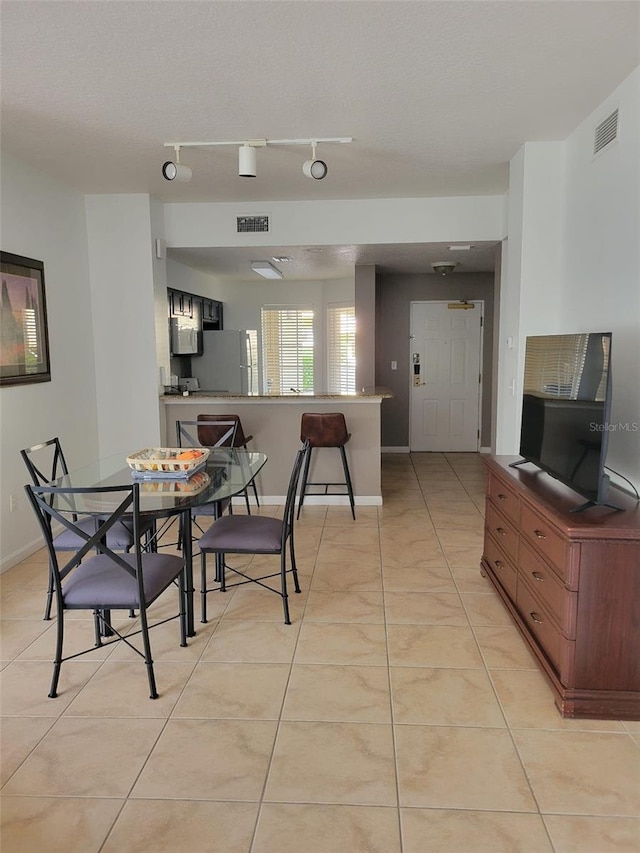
(274, 423)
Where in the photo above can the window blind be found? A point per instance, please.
(341, 349)
(287, 344)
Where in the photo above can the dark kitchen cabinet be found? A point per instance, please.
(181, 304)
(211, 314)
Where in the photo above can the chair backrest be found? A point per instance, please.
(45, 462)
(188, 434)
(324, 429)
(211, 427)
(64, 505)
(290, 504)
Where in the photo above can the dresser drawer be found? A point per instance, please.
(502, 531)
(501, 566)
(539, 622)
(504, 498)
(549, 588)
(544, 539)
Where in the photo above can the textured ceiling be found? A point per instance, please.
(437, 95)
(331, 262)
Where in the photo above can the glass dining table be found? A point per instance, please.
(227, 472)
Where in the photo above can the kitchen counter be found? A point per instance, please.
(366, 393)
(274, 422)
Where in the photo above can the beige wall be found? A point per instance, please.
(275, 426)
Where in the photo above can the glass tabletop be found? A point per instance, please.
(227, 472)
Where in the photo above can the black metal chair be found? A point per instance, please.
(210, 428)
(325, 430)
(46, 463)
(187, 433)
(107, 580)
(254, 534)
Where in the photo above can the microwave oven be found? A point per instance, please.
(185, 336)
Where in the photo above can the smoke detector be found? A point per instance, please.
(444, 267)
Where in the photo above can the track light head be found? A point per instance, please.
(176, 172)
(247, 161)
(315, 169)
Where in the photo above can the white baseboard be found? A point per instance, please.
(315, 500)
(408, 450)
(21, 554)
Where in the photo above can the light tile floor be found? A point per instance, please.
(399, 713)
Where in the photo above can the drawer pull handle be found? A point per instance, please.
(498, 564)
(534, 616)
(501, 531)
(538, 576)
(502, 497)
(539, 534)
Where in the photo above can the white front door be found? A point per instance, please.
(445, 350)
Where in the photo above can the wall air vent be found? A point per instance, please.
(606, 132)
(252, 224)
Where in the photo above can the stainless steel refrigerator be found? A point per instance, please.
(229, 361)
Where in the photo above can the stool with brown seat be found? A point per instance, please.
(325, 430)
(211, 433)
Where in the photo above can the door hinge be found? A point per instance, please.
(481, 320)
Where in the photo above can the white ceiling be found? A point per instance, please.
(332, 262)
(437, 95)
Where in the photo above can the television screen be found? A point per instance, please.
(565, 409)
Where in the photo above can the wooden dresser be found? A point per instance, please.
(571, 582)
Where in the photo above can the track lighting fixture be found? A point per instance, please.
(314, 168)
(175, 170)
(247, 161)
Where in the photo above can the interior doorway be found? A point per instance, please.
(445, 376)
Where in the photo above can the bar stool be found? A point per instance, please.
(325, 430)
(210, 435)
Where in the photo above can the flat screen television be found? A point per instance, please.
(566, 406)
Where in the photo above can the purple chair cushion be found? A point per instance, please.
(119, 537)
(98, 583)
(251, 534)
(210, 509)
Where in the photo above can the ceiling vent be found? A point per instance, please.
(252, 224)
(606, 132)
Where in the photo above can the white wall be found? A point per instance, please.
(601, 288)
(532, 275)
(572, 264)
(182, 277)
(45, 220)
(392, 220)
(121, 249)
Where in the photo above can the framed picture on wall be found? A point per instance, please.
(24, 337)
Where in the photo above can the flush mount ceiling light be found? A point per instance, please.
(174, 170)
(444, 267)
(465, 248)
(265, 269)
(313, 168)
